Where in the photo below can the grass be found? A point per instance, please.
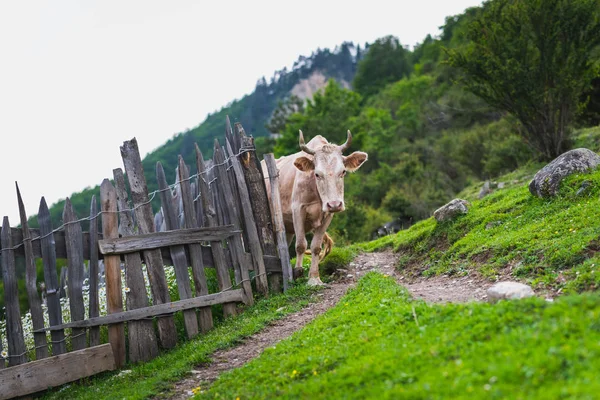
(512, 232)
(156, 376)
(378, 343)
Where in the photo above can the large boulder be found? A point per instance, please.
(451, 210)
(547, 180)
(508, 290)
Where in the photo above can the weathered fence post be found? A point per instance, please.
(93, 264)
(35, 304)
(145, 220)
(50, 278)
(73, 241)
(205, 314)
(178, 257)
(14, 327)
(258, 195)
(142, 340)
(114, 299)
(216, 246)
(282, 244)
(251, 228)
(230, 209)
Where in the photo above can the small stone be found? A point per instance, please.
(501, 185)
(349, 276)
(508, 290)
(451, 210)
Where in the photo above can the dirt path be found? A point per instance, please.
(437, 289)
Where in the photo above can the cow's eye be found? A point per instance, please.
(343, 173)
(318, 175)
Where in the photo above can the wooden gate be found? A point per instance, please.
(219, 218)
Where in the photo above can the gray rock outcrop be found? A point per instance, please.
(508, 290)
(546, 181)
(451, 210)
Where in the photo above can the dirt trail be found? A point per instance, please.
(436, 289)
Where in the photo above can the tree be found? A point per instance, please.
(385, 61)
(533, 59)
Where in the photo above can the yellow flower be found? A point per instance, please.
(196, 390)
(314, 372)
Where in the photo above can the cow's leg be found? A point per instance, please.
(315, 248)
(299, 215)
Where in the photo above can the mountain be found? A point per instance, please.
(307, 76)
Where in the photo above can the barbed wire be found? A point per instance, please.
(151, 198)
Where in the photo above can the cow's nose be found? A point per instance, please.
(334, 206)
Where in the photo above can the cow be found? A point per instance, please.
(311, 185)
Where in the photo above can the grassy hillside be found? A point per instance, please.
(379, 343)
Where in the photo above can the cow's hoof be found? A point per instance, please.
(315, 282)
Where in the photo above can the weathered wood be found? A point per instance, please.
(75, 267)
(282, 245)
(180, 262)
(169, 238)
(251, 228)
(235, 242)
(140, 334)
(2, 361)
(260, 203)
(59, 240)
(195, 249)
(112, 265)
(230, 296)
(223, 277)
(145, 220)
(62, 284)
(35, 303)
(14, 327)
(55, 371)
(93, 265)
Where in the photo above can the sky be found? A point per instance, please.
(78, 78)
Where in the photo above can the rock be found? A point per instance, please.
(501, 185)
(485, 190)
(508, 290)
(546, 181)
(451, 210)
(493, 224)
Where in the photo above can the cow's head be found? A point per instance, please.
(329, 166)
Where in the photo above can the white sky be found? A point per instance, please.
(77, 78)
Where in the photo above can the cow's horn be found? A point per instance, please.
(346, 145)
(303, 147)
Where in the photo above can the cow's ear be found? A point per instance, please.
(355, 160)
(304, 164)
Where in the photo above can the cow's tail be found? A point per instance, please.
(327, 245)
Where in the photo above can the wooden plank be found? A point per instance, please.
(223, 278)
(195, 249)
(14, 327)
(2, 360)
(55, 371)
(112, 265)
(75, 267)
(35, 303)
(251, 228)
(93, 265)
(282, 245)
(180, 263)
(169, 238)
(143, 345)
(59, 239)
(259, 200)
(230, 296)
(235, 242)
(63, 282)
(145, 220)
(48, 253)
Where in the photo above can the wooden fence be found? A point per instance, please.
(218, 218)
